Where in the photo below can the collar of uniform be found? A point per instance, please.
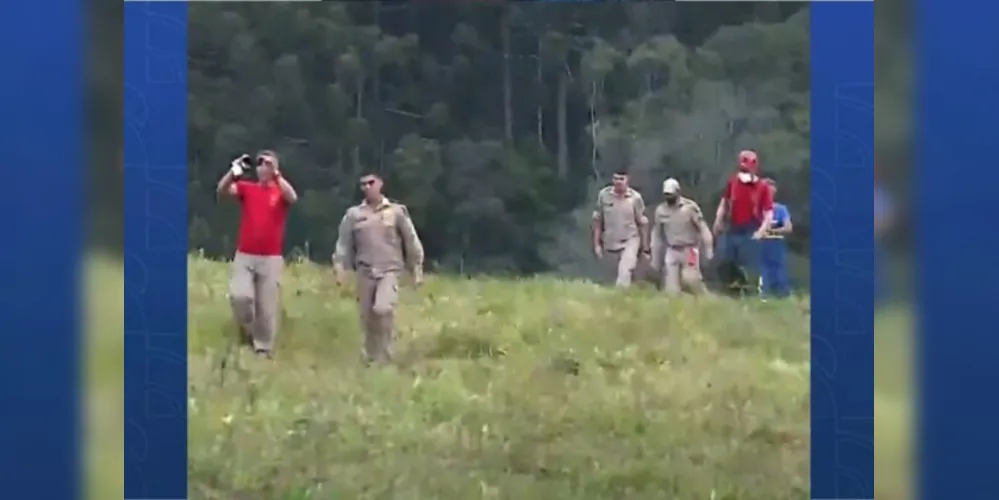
(628, 193)
(380, 206)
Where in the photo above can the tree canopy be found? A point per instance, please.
(493, 122)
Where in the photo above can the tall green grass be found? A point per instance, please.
(526, 389)
(505, 389)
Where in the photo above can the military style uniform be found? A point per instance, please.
(677, 233)
(378, 242)
(622, 218)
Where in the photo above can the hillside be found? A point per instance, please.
(535, 388)
(673, 406)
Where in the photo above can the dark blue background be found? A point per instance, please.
(155, 250)
(842, 265)
(42, 205)
(957, 181)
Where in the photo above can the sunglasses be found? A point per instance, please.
(263, 160)
(368, 182)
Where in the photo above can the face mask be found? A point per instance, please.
(745, 177)
(672, 199)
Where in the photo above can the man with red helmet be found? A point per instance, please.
(745, 213)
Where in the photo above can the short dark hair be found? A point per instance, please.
(621, 171)
(370, 173)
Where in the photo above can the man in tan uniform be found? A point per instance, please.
(378, 240)
(619, 229)
(678, 232)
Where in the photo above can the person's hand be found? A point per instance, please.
(598, 251)
(759, 235)
(709, 253)
(238, 165)
(418, 278)
(716, 228)
(338, 277)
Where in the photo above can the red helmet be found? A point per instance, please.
(749, 161)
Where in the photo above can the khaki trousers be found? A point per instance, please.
(619, 264)
(255, 296)
(377, 298)
(682, 269)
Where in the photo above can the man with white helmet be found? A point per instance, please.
(678, 233)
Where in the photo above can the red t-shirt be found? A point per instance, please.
(264, 214)
(747, 201)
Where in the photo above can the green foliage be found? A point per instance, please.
(506, 389)
(584, 390)
(490, 121)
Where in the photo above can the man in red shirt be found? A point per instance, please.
(745, 213)
(254, 292)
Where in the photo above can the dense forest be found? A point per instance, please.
(493, 123)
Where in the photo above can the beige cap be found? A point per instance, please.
(671, 186)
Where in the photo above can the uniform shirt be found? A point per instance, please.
(620, 216)
(378, 239)
(264, 215)
(679, 225)
(747, 201)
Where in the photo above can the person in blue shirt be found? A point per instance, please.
(775, 280)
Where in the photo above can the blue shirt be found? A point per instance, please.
(781, 215)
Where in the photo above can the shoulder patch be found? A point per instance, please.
(692, 204)
(402, 209)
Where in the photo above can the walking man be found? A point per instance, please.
(744, 214)
(619, 229)
(377, 239)
(774, 278)
(678, 233)
(254, 292)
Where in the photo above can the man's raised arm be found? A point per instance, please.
(227, 184)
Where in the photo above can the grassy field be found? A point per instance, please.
(583, 393)
(505, 390)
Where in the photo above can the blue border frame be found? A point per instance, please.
(842, 262)
(42, 243)
(957, 171)
(155, 104)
